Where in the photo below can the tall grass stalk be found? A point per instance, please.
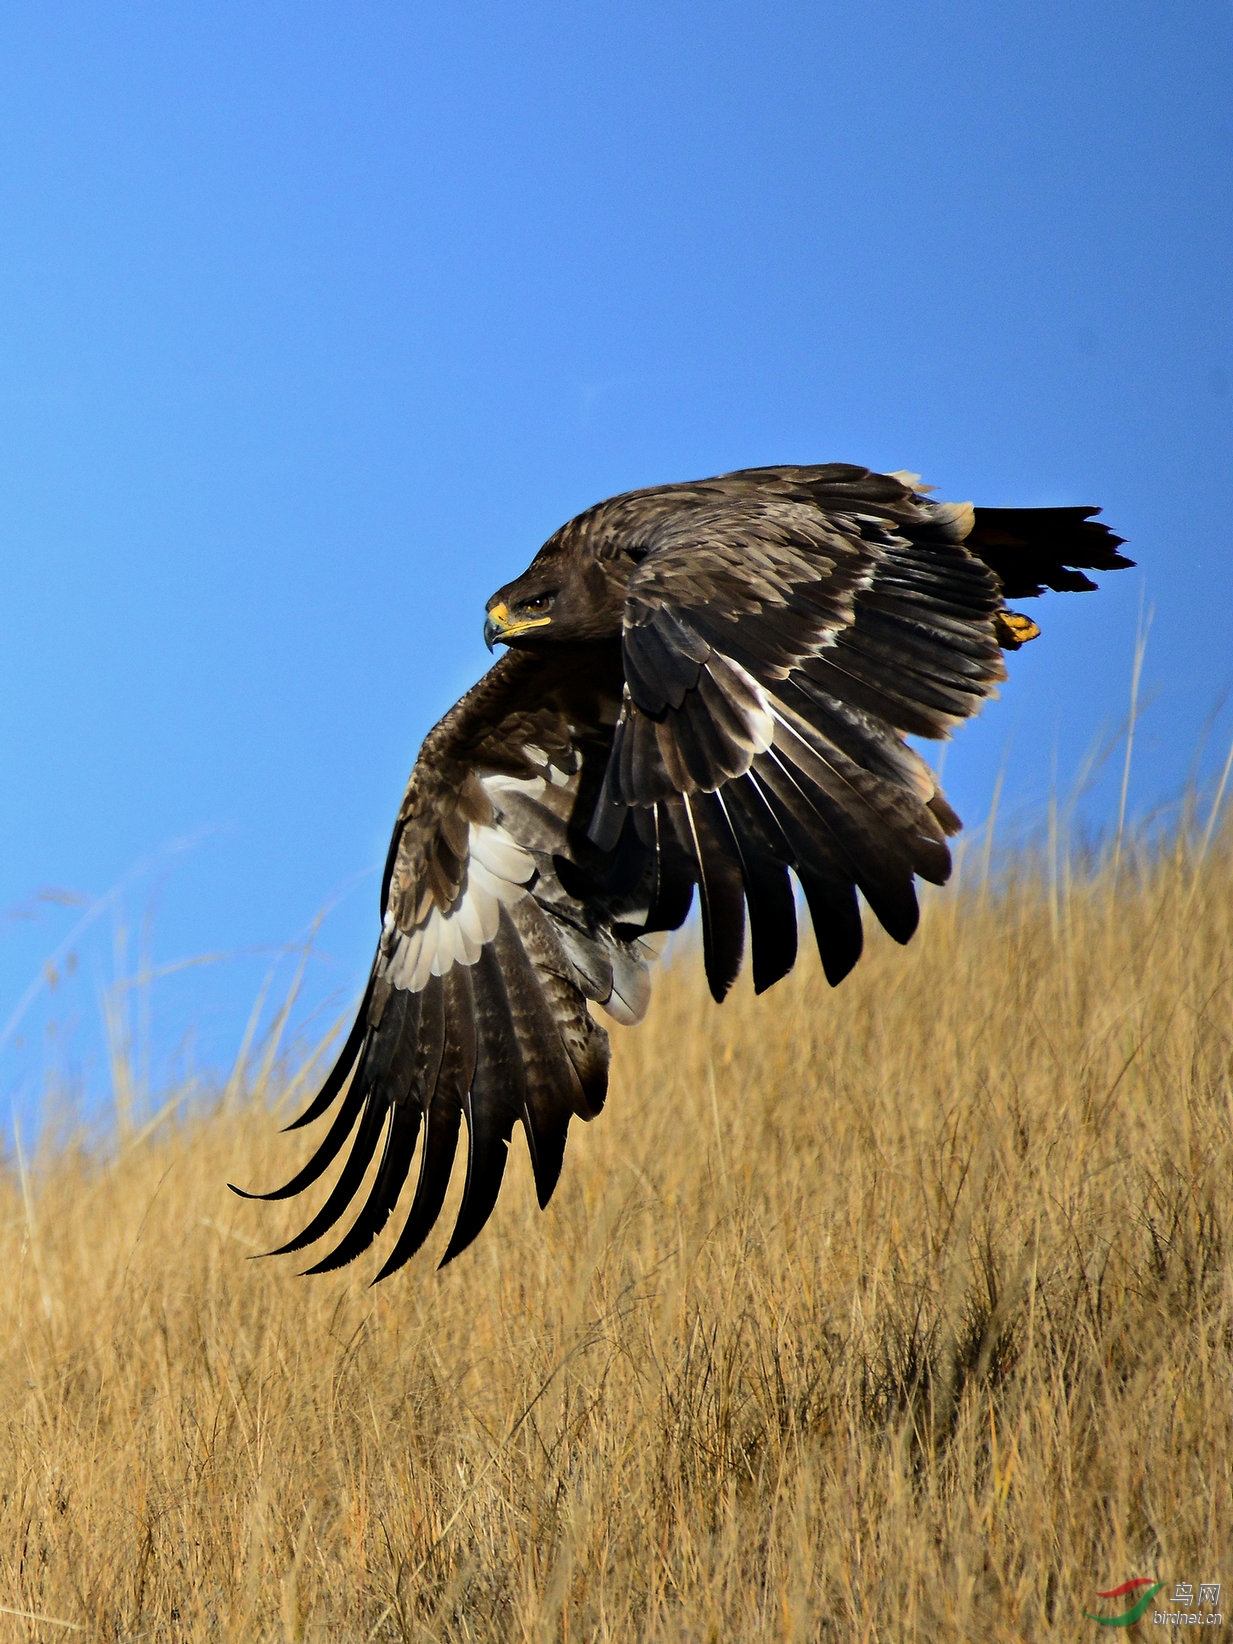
(1136, 675)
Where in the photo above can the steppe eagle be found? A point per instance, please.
(707, 685)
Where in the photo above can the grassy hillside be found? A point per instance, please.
(899, 1312)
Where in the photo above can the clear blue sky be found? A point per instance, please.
(316, 319)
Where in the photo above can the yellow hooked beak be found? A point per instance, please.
(497, 624)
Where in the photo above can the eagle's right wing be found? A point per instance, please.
(500, 922)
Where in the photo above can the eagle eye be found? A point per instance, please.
(540, 602)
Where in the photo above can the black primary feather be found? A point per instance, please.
(445, 1079)
(492, 1105)
(720, 892)
(764, 858)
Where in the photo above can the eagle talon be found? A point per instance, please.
(1013, 629)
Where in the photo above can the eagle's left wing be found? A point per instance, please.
(778, 642)
(500, 922)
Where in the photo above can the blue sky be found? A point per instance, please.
(316, 319)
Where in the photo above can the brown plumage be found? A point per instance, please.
(708, 685)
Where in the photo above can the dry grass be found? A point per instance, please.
(897, 1313)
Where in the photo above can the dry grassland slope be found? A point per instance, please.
(896, 1313)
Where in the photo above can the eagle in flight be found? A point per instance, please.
(707, 686)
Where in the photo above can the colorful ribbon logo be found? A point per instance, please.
(1136, 1611)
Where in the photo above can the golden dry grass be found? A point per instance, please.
(901, 1312)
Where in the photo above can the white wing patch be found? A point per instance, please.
(498, 872)
(748, 697)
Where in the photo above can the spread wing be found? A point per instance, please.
(781, 637)
(500, 922)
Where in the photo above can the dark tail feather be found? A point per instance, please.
(1031, 549)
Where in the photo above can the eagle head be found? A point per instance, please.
(505, 621)
(562, 597)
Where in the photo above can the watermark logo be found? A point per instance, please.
(1190, 1609)
(1137, 1609)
